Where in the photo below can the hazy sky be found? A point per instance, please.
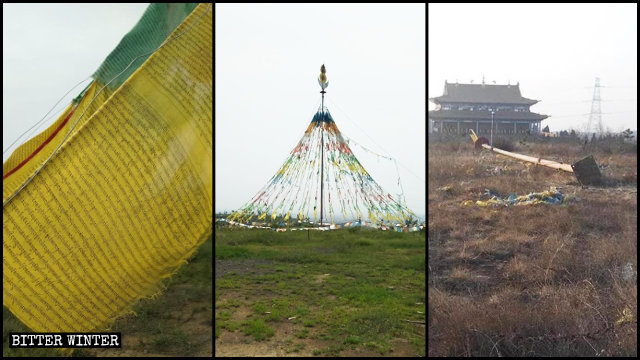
(49, 48)
(555, 51)
(267, 60)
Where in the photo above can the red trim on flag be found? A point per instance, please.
(40, 147)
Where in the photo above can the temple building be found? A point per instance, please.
(470, 106)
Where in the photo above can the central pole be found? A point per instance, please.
(322, 160)
(322, 80)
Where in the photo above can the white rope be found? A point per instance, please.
(43, 118)
(380, 146)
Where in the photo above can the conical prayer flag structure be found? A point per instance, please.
(322, 180)
(117, 193)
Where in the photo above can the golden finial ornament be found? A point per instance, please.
(322, 79)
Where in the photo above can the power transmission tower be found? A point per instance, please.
(595, 117)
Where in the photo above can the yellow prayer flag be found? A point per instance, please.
(127, 197)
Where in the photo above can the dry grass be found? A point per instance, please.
(543, 280)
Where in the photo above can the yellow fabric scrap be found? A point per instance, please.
(625, 317)
(487, 203)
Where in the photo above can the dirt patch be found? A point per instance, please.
(401, 348)
(198, 326)
(241, 313)
(125, 353)
(194, 319)
(239, 345)
(240, 267)
(193, 312)
(129, 345)
(321, 278)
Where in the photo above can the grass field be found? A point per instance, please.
(333, 293)
(539, 280)
(177, 323)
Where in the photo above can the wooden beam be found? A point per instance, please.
(531, 159)
(585, 170)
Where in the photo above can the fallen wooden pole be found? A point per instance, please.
(586, 170)
(531, 159)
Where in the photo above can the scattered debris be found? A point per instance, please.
(571, 197)
(628, 274)
(625, 317)
(552, 196)
(291, 318)
(491, 193)
(498, 170)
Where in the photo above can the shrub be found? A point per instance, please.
(504, 144)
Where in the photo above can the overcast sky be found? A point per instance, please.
(267, 60)
(555, 51)
(49, 48)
